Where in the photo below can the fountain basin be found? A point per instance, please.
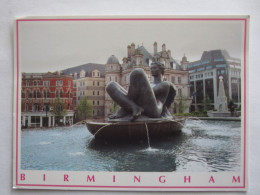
(135, 130)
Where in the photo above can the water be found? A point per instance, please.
(203, 146)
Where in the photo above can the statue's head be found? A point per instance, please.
(157, 68)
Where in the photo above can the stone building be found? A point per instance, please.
(39, 92)
(89, 81)
(205, 73)
(139, 57)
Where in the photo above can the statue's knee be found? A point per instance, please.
(110, 86)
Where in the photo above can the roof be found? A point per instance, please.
(214, 55)
(147, 55)
(112, 60)
(88, 68)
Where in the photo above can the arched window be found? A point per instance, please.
(35, 107)
(26, 107)
(82, 74)
(27, 94)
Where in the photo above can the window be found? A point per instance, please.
(173, 79)
(27, 94)
(82, 74)
(35, 120)
(69, 84)
(200, 69)
(74, 94)
(93, 92)
(179, 80)
(27, 83)
(93, 83)
(98, 92)
(36, 83)
(96, 73)
(221, 66)
(68, 106)
(36, 94)
(97, 102)
(179, 92)
(46, 83)
(68, 94)
(59, 94)
(59, 83)
(93, 102)
(26, 107)
(98, 83)
(46, 107)
(35, 107)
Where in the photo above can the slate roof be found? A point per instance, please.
(147, 55)
(88, 68)
(210, 56)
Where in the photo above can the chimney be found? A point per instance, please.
(164, 47)
(169, 53)
(128, 51)
(132, 49)
(155, 49)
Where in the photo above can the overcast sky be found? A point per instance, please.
(55, 45)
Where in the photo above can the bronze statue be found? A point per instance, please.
(143, 98)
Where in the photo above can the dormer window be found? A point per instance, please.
(82, 74)
(95, 73)
(75, 75)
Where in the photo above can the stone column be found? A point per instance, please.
(29, 121)
(64, 120)
(53, 121)
(49, 123)
(40, 121)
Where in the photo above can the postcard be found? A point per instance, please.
(131, 103)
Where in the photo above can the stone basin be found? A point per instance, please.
(125, 130)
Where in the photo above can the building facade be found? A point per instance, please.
(39, 93)
(204, 78)
(88, 81)
(140, 58)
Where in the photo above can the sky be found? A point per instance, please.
(56, 45)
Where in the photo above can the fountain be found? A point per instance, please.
(143, 107)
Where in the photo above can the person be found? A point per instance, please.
(150, 99)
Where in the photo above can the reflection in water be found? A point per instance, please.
(207, 146)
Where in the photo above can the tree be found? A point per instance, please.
(85, 108)
(58, 110)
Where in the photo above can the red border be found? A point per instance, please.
(133, 19)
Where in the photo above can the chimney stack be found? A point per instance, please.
(155, 48)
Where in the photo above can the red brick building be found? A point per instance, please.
(39, 92)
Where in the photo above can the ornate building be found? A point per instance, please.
(205, 73)
(39, 92)
(89, 81)
(140, 58)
